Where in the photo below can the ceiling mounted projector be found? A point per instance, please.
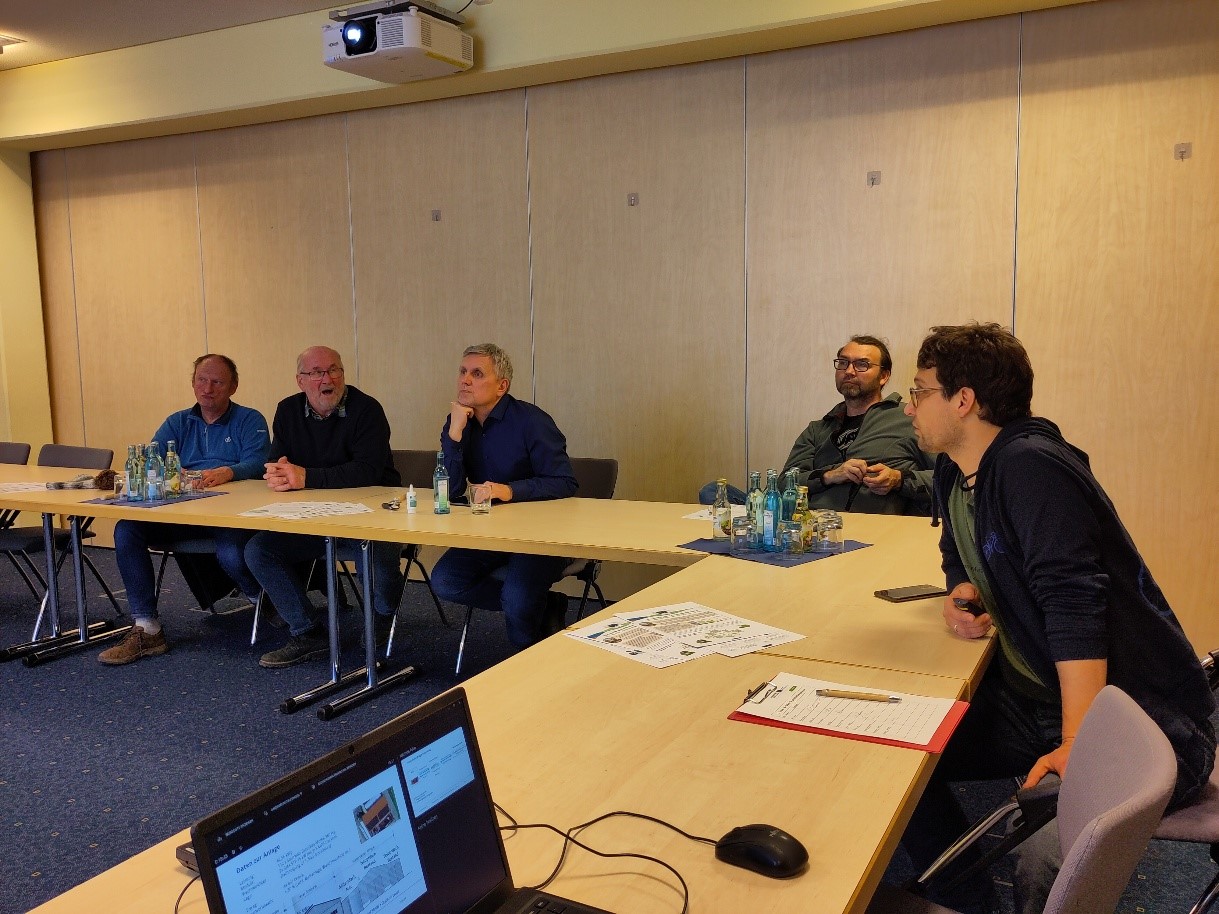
(397, 42)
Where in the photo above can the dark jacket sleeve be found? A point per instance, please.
(279, 431)
(552, 476)
(803, 456)
(1050, 522)
(454, 461)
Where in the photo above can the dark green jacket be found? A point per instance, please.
(886, 436)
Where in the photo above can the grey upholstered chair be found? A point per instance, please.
(1199, 822)
(1108, 809)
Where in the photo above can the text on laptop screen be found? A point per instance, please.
(402, 826)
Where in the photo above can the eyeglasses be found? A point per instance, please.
(318, 373)
(860, 365)
(916, 391)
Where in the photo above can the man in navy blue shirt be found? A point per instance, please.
(227, 442)
(491, 438)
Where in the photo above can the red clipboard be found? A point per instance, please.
(937, 744)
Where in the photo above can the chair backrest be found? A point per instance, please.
(415, 467)
(67, 455)
(14, 452)
(597, 476)
(1121, 775)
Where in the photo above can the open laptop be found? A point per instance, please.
(399, 820)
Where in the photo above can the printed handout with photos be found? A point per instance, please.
(647, 645)
(304, 510)
(667, 635)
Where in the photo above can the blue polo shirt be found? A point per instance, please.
(238, 439)
(518, 444)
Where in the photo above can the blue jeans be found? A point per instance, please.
(515, 585)
(1002, 735)
(132, 539)
(276, 559)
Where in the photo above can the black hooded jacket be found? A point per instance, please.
(1072, 586)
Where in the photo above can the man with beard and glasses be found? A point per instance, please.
(862, 455)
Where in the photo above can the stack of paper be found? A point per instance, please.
(667, 635)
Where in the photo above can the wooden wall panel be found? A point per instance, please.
(426, 289)
(934, 111)
(139, 301)
(273, 221)
(638, 309)
(1118, 269)
(53, 227)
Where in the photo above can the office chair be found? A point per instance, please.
(19, 542)
(1199, 822)
(597, 478)
(16, 454)
(1108, 809)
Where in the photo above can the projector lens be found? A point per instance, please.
(360, 35)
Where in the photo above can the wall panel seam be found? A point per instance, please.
(1016, 182)
(80, 372)
(745, 243)
(533, 336)
(194, 155)
(351, 246)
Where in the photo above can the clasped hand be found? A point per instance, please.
(877, 478)
(283, 476)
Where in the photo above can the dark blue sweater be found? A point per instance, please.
(1072, 586)
(338, 452)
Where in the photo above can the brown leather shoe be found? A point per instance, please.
(137, 643)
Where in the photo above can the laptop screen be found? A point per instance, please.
(398, 821)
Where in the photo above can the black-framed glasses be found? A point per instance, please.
(860, 365)
(916, 392)
(318, 373)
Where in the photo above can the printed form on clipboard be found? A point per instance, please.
(896, 719)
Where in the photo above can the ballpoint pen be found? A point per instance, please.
(858, 696)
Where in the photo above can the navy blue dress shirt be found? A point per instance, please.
(519, 445)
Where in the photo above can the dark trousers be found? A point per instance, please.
(133, 538)
(501, 582)
(277, 560)
(1002, 735)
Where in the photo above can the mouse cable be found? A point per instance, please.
(576, 829)
(193, 880)
(507, 815)
(569, 839)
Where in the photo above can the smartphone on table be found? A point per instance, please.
(913, 592)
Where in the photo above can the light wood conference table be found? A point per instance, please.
(570, 732)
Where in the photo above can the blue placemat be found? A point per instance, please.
(151, 504)
(721, 547)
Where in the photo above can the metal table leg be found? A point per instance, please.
(62, 642)
(375, 686)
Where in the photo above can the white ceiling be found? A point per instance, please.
(58, 29)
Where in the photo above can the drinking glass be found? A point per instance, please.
(480, 499)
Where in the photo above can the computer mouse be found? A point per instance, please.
(763, 849)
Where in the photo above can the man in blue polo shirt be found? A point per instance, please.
(227, 442)
(491, 438)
